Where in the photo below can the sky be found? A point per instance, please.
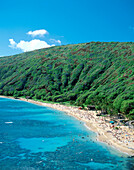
(26, 25)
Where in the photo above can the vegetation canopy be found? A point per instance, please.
(95, 73)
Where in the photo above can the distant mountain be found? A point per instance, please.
(95, 73)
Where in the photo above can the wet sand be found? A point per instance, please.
(122, 139)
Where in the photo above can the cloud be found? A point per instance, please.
(55, 41)
(40, 33)
(12, 43)
(29, 45)
(34, 43)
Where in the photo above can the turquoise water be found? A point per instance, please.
(36, 137)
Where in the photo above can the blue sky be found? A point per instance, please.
(66, 22)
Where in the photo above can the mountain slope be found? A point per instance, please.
(99, 73)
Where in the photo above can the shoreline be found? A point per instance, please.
(105, 133)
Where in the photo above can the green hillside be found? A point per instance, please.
(96, 73)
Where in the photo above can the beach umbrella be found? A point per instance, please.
(112, 122)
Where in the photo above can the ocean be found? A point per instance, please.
(34, 137)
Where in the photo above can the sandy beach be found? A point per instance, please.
(121, 138)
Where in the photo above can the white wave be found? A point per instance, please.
(8, 122)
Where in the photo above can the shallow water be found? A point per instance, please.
(36, 137)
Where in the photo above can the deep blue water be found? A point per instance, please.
(36, 137)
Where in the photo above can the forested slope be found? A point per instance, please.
(98, 73)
